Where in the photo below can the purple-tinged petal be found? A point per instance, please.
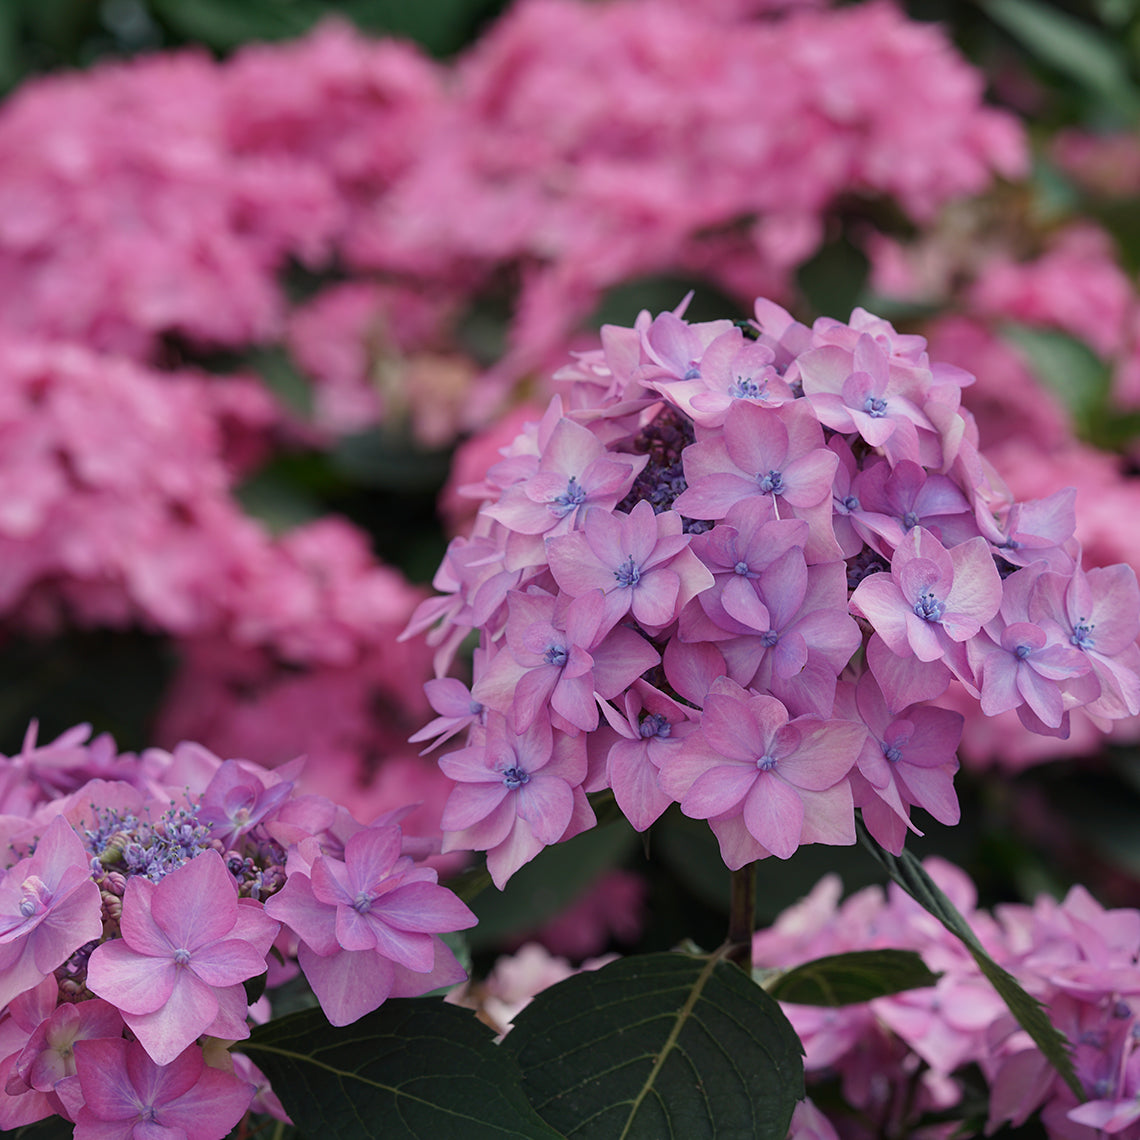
(227, 962)
(312, 921)
(370, 855)
(135, 983)
(774, 814)
(195, 904)
(718, 790)
(546, 803)
(348, 984)
(191, 1007)
(426, 908)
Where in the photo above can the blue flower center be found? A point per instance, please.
(182, 956)
(772, 483)
(851, 503)
(875, 407)
(910, 520)
(769, 638)
(654, 725)
(929, 608)
(362, 904)
(892, 753)
(1082, 635)
(693, 372)
(555, 655)
(1023, 651)
(766, 763)
(569, 500)
(741, 568)
(745, 388)
(627, 574)
(515, 777)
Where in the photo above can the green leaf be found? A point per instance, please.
(833, 279)
(255, 987)
(1074, 48)
(845, 979)
(659, 1045)
(415, 1069)
(1068, 367)
(549, 884)
(224, 25)
(53, 1128)
(284, 379)
(390, 461)
(909, 873)
(439, 26)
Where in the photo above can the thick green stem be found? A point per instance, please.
(742, 916)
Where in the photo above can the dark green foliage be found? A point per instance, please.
(659, 1045)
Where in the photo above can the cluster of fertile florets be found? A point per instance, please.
(140, 898)
(733, 567)
(1074, 956)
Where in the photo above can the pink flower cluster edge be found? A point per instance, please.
(737, 566)
(144, 891)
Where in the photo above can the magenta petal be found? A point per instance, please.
(137, 924)
(348, 984)
(810, 477)
(195, 904)
(353, 930)
(328, 879)
(879, 599)
(212, 1107)
(107, 1088)
(413, 950)
(227, 962)
(634, 779)
(774, 814)
(655, 598)
(135, 983)
(546, 803)
(738, 845)
(74, 920)
(232, 1019)
(445, 972)
(297, 907)
(718, 790)
(426, 908)
(370, 856)
(743, 604)
(518, 847)
(470, 803)
(192, 1006)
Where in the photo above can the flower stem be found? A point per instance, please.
(742, 916)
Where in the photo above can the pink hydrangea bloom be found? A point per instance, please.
(188, 942)
(766, 783)
(125, 1094)
(49, 907)
(515, 793)
(369, 923)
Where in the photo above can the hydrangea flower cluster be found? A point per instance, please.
(735, 566)
(1076, 957)
(142, 893)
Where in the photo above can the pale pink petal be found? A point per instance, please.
(195, 904)
(348, 984)
(774, 814)
(192, 1006)
(135, 983)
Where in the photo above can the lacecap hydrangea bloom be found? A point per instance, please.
(142, 893)
(737, 566)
